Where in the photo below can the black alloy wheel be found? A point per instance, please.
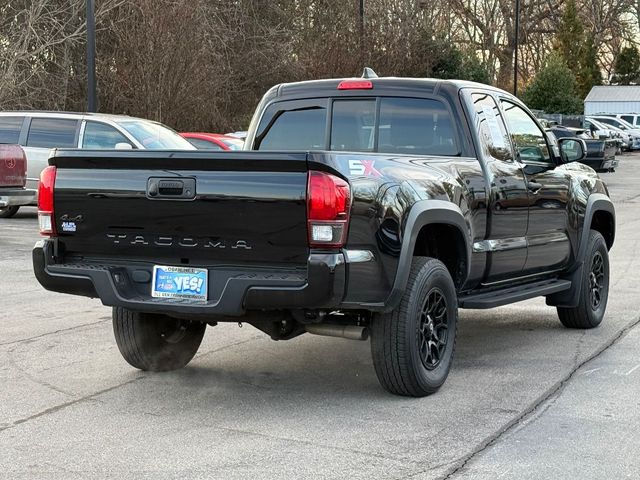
(433, 329)
(596, 280)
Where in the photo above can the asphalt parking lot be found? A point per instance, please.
(526, 398)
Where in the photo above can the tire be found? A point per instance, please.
(594, 290)
(398, 338)
(8, 212)
(156, 343)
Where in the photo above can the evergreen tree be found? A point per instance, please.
(578, 50)
(627, 67)
(474, 70)
(570, 36)
(553, 89)
(441, 58)
(589, 73)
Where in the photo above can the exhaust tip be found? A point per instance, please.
(350, 332)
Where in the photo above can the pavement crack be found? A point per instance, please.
(576, 353)
(551, 393)
(24, 340)
(70, 403)
(313, 444)
(33, 378)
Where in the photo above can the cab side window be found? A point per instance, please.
(101, 136)
(528, 139)
(300, 129)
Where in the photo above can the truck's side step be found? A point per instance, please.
(504, 296)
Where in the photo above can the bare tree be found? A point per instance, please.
(204, 64)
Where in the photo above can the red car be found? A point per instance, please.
(213, 141)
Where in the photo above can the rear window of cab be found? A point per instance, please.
(412, 126)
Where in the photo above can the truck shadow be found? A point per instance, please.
(314, 367)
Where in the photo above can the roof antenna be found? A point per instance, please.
(369, 73)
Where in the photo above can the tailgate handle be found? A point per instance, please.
(174, 188)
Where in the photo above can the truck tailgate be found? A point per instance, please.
(231, 208)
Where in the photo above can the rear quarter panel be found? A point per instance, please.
(384, 189)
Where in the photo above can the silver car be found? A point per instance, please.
(39, 132)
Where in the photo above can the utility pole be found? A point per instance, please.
(361, 15)
(91, 57)
(515, 61)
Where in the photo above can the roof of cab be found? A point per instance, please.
(426, 85)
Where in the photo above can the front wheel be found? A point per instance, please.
(594, 289)
(8, 212)
(157, 343)
(412, 347)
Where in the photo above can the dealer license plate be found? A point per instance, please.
(180, 282)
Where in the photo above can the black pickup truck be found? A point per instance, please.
(360, 207)
(601, 153)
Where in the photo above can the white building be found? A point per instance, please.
(613, 99)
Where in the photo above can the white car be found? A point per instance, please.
(626, 127)
(629, 141)
(39, 132)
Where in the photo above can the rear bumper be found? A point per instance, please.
(232, 292)
(10, 197)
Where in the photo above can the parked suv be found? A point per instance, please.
(39, 132)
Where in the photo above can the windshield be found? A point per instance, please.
(601, 126)
(615, 122)
(155, 135)
(625, 123)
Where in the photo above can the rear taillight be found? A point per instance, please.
(45, 201)
(328, 204)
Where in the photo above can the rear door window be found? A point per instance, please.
(415, 126)
(52, 133)
(10, 129)
(490, 126)
(101, 136)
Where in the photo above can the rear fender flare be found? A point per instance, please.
(597, 202)
(422, 213)
(569, 298)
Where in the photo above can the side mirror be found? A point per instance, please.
(572, 149)
(124, 146)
